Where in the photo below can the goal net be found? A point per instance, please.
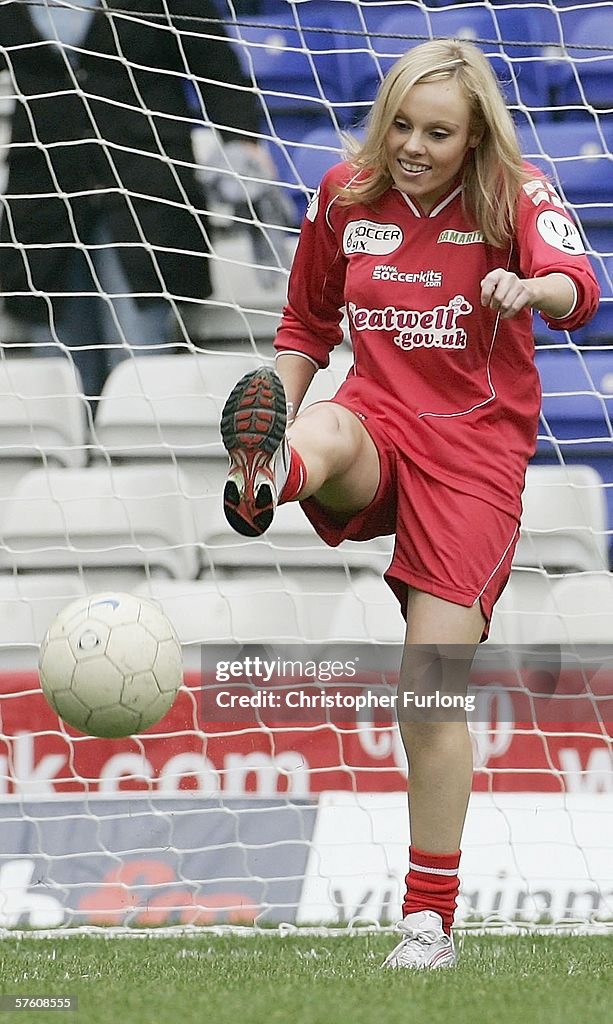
(223, 814)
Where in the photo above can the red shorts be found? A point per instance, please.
(448, 543)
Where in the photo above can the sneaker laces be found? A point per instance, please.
(422, 935)
(411, 950)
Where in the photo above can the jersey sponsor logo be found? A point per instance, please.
(313, 207)
(430, 328)
(540, 191)
(557, 230)
(461, 237)
(372, 238)
(429, 278)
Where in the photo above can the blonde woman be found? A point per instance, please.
(439, 242)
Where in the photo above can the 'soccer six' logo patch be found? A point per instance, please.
(461, 237)
(369, 237)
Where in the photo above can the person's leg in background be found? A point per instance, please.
(130, 328)
(76, 332)
(99, 328)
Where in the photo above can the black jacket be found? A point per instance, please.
(113, 135)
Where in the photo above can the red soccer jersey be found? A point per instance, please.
(454, 385)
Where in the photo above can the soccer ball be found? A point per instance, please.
(110, 664)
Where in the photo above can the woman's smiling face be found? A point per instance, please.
(428, 140)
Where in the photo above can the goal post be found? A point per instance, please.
(263, 816)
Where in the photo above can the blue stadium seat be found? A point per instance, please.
(576, 156)
(227, 8)
(397, 33)
(557, 3)
(599, 331)
(321, 149)
(298, 74)
(294, 58)
(577, 399)
(583, 72)
(501, 34)
(577, 414)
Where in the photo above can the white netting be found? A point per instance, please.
(125, 493)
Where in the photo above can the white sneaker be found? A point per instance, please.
(424, 945)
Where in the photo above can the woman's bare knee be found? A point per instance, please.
(341, 459)
(323, 428)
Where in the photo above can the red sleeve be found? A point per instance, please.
(311, 319)
(549, 242)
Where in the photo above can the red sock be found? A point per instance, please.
(296, 478)
(432, 884)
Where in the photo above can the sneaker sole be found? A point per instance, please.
(253, 420)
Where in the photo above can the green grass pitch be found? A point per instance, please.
(267, 979)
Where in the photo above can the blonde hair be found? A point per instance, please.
(493, 172)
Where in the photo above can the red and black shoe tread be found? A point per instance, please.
(255, 414)
(253, 422)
